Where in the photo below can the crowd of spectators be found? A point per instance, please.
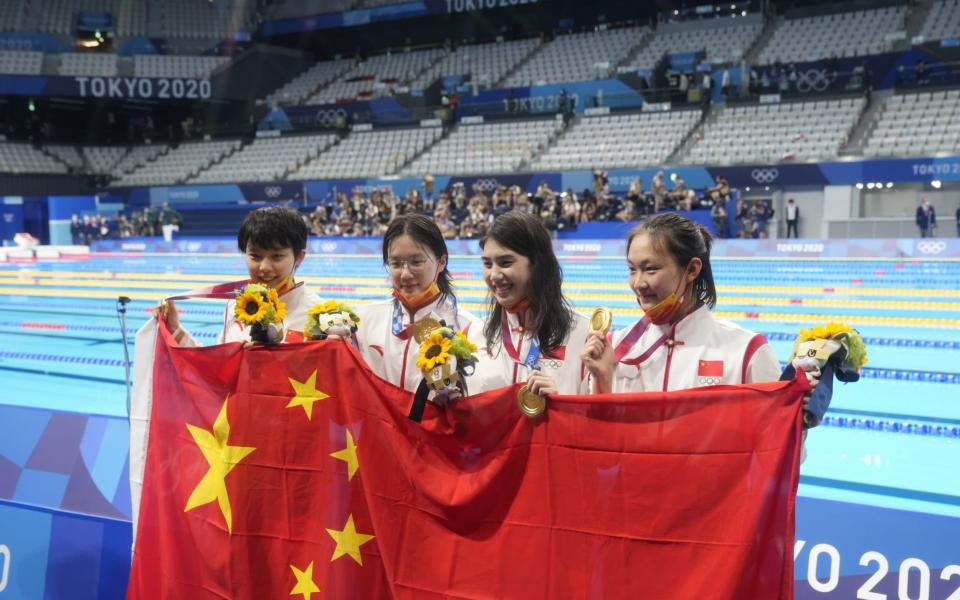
(139, 223)
(467, 214)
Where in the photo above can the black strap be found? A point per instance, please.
(419, 401)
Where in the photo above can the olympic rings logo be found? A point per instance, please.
(709, 380)
(928, 247)
(272, 191)
(765, 175)
(553, 364)
(328, 246)
(487, 185)
(814, 80)
(329, 117)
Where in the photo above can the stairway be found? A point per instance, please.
(682, 151)
(536, 50)
(866, 124)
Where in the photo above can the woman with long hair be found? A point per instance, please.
(416, 257)
(532, 333)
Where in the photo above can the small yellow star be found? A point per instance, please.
(305, 394)
(349, 456)
(222, 458)
(348, 541)
(305, 585)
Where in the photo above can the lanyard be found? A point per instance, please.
(634, 335)
(403, 331)
(533, 355)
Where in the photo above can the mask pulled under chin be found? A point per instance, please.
(418, 300)
(665, 310)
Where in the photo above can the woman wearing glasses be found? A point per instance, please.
(416, 259)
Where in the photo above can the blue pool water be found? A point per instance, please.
(892, 440)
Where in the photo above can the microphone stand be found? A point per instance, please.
(122, 302)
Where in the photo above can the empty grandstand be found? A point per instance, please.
(836, 35)
(487, 147)
(266, 159)
(772, 133)
(618, 141)
(483, 64)
(579, 56)
(181, 163)
(726, 42)
(369, 154)
(917, 124)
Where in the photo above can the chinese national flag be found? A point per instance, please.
(710, 368)
(292, 471)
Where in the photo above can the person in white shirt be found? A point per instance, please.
(273, 241)
(678, 344)
(532, 333)
(415, 255)
(793, 217)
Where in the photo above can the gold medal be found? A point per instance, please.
(422, 328)
(529, 403)
(601, 320)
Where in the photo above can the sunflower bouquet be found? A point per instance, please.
(330, 318)
(823, 352)
(259, 307)
(445, 358)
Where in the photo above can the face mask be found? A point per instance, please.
(664, 311)
(420, 300)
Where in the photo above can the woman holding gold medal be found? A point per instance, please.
(532, 334)
(678, 344)
(390, 331)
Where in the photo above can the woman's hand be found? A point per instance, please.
(169, 314)
(597, 357)
(541, 384)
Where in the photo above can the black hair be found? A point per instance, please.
(548, 312)
(273, 227)
(683, 240)
(425, 233)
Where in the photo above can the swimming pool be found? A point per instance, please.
(886, 457)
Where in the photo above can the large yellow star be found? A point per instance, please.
(305, 584)
(305, 394)
(349, 456)
(348, 541)
(222, 458)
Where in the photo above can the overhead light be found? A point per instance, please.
(676, 12)
(744, 13)
(870, 185)
(859, 186)
(889, 184)
(31, 107)
(747, 188)
(935, 184)
(767, 188)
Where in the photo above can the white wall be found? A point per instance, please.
(838, 203)
(810, 204)
(903, 202)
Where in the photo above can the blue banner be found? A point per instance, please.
(11, 218)
(164, 88)
(382, 111)
(39, 42)
(382, 14)
(548, 99)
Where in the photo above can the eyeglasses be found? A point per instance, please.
(414, 265)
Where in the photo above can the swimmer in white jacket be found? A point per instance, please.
(416, 257)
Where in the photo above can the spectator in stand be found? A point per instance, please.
(448, 228)
(570, 209)
(125, 227)
(762, 213)
(743, 219)
(725, 83)
(793, 217)
(926, 218)
(635, 192)
(659, 191)
(429, 183)
(678, 194)
(89, 229)
(76, 230)
(718, 213)
(589, 209)
(170, 220)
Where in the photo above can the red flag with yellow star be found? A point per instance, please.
(293, 472)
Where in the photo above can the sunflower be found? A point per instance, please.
(279, 307)
(435, 350)
(825, 332)
(250, 308)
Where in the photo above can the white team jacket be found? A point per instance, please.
(297, 300)
(496, 369)
(704, 351)
(394, 358)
